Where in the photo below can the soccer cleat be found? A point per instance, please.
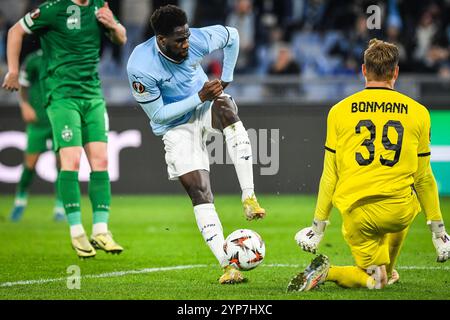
(16, 213)
(231, 275)
(252, 209)
(395, 277)
(296, 283)
(314, 275)
(19, 207)
(83, 247)
(105, 242)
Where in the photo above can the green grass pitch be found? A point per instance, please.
(165, 256)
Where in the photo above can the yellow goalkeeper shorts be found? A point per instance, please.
(365, 228)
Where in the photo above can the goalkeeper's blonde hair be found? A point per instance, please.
(381, 59)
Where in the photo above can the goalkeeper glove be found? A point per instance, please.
(441, 240)
(309, 238)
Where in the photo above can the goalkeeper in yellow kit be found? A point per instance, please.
(377, 173)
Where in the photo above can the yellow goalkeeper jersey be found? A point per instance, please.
(377, 135)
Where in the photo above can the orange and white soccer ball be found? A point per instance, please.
(245, 249)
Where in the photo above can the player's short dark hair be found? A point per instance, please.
(381, 58)
(165, 19)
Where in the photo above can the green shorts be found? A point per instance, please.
(38, 137)
(76, 122)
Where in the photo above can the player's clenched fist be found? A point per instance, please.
(211, 90)
(11, 81)
(309, 238)
(105, 16)
(441, 240)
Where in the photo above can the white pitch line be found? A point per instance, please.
(150, 270)
(423, 268)
(103, 275)
(25, 282)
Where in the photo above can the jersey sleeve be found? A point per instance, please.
(331, 140)
(329, 174)
(217, 37)
(144, 88)
(426, 189)
(424, 181)
(327, 187)
(226, 38)
(425, 137)
(148, 95)
(38, 19)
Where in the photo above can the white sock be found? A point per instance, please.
(76, 230)
(211, 229)
(240, 152)
(100, 227)
(246, 193)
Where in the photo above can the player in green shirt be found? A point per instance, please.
(70, 33)
(32, 105)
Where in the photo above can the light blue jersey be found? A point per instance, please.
(167, 90)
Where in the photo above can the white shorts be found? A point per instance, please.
(185, 145)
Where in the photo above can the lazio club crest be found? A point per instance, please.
(67, 134)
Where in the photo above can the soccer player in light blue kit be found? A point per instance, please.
(169, 83)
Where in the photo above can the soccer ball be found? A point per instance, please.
(245, 249)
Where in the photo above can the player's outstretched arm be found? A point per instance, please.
(427, 192)
(309, 238)
(426, 189)
(116, 32)
(14, 45)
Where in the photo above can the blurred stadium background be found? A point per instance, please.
(297, 58)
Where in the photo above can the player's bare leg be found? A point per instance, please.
(100, 196)
(21, 198)
(198, 187)
(31, 159)
(225, 118)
